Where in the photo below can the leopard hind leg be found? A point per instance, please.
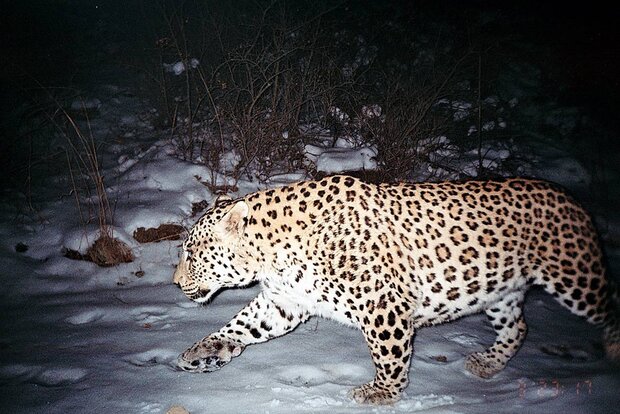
(593, 296)
(506, 317)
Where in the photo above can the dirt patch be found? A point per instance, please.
(440, 358)
(163, 232)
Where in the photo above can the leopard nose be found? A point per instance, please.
(179, 275)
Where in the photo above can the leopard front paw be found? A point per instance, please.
(209, 355)
(372, 394)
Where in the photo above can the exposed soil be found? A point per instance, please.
(163, 232)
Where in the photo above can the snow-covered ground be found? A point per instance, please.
(77, 338)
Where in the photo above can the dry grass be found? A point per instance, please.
(261, 77)
(107, 251)
(264, 76)
(87, 185)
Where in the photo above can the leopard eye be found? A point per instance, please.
(187, 254)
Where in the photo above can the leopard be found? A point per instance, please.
(392, 258)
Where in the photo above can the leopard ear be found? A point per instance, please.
(234, 221)
(221, 199)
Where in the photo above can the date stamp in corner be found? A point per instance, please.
(554, 388)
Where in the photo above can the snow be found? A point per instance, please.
(76, 338)
(179, 67)
(343, 159)
(344, 155)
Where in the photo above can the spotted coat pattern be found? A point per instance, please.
(389, 259)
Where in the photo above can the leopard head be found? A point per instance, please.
(212, 257)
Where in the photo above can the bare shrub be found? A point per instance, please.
(84, 166)
(408, 129)
(242, 92)
(282, 79)
(255, 80)
(87, 182)
(406, 122)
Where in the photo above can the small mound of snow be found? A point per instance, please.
(285, 179)
(339, 114)
(85, 317)
(125, 163)
(345, 142)
(464, 339)
(16, 371)
(304, 376)
(179, 67)
(334, 160)
(461, 110)
(424, 402)
(153, 357)
(229, 160)
(320, 401)
(55, 377)
(371, 111)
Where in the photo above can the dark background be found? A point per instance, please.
(73, 43)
